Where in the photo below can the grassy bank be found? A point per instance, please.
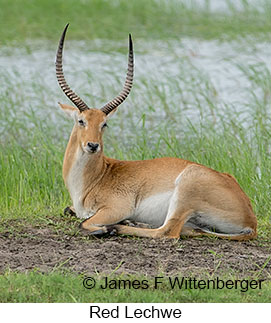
(31, 166)
(33, 141)
(66, 287)
(20, 20)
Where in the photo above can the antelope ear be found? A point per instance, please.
(70, 110)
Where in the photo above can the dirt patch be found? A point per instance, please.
(44, 249)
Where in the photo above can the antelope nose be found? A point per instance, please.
(93, 146)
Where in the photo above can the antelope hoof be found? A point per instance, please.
(112, 230)
(69, 211)
(97, 233)
(105, 231)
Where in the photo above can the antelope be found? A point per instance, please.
(175, 197)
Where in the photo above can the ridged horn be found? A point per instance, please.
(80, 104)
(113, 104)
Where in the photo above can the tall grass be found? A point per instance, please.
(173, 110)
(113, 19)
(32, 145)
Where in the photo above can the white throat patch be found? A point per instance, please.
(75, 184)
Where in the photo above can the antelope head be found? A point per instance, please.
(90, 122)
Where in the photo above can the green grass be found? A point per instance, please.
(31, 167)
(35, 19)
(60, 287)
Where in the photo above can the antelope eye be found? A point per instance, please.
(81, 122)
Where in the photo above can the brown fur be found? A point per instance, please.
(113, 189)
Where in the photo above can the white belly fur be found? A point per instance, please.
(153, 210)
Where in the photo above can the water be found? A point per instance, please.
(175, 81)
(226, 5)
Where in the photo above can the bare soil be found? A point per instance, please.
(46, 249)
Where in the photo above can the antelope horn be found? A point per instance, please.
(81, 105)
(110, 106)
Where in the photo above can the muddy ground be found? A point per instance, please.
(45, 248)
